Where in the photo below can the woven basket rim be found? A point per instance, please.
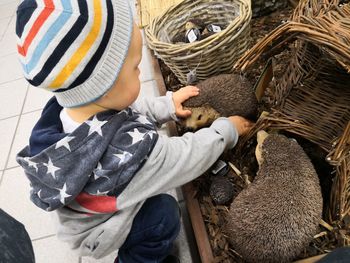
(316, 29)
(180, 47)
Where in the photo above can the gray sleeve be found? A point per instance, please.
(175, 161)
(159, 109)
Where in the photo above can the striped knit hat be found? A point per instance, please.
(74, 48)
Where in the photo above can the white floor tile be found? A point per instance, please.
(184, 244)
(3, 25)
(4, 2)
(144, 38)
(14, 199)
(8, 10)
(36, 99)
(8, 45)
(12, 96)
(26, 124)
(1, 173)
(149, 89)
(108, 259)
(11, 29)
(7, 130)
(52, 250)
(146, 71)
(13, 68)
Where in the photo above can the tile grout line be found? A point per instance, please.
(8, 81)
(80, 260)
(14, 135)
(40, 238)
(23, 113)
(9, 117)
(11, 168)
(143, 82)
(8, 54)
(5, 17)
(10, 20)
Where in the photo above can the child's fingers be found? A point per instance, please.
(193, 89)
(183, 113)
(248, 125)
(188, 92)
(189, 89)
(192, 94)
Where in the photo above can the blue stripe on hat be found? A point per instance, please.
(64, 44)
(50, 34)
(86, 73)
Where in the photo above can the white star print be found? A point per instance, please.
(31, 164)
(64, 142)
(51, 169)
(98, 170)
(124, 111)
(133, 112)
(63, 193)
(151, 134)
(123, 157)
(95, 126)
(136, 136)
(39, 193)
(143, 119)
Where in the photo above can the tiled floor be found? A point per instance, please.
(20, 107)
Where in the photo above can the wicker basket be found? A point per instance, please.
(312, 99)
(210, 56)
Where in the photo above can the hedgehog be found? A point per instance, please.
(223, 95)
(277, 215)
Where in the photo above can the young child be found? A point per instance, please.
(95, 156)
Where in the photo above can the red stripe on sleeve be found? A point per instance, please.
(98, 204)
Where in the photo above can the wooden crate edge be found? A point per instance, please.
(200, 232)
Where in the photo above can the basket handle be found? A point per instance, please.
(330, 31)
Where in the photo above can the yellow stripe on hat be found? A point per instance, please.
(82, 50)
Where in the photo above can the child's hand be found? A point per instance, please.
(182, 95)
(242, 125)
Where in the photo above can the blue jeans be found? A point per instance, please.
(153, 231)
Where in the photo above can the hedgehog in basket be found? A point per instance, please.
(223, 95)
(277, 215)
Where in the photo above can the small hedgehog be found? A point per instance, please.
(277, 215)
(221, 190)
(223, 95)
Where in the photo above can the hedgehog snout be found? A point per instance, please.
(261, 136)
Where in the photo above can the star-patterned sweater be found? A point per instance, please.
(97, 177)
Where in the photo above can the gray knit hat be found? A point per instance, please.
(74, 48)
